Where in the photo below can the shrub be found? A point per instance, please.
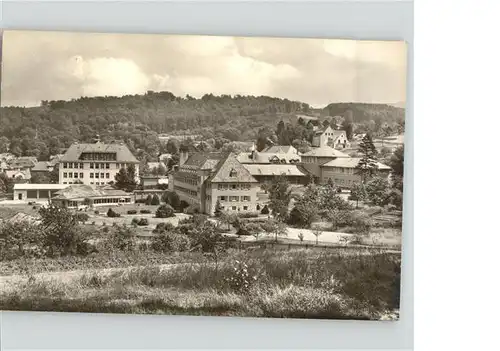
(248, 215)
(131, 212)
(82, 217)
(240, 280)
(143, 222)
(145, 211)
(165, 211)
(163, 227)
(265, 210)
(93, 222)
(183, 205)
(121, 238)
(171, 198)
(112, 213)
(149, 199)
(155, 201)
(170, 242)
(192, 209)
(96, 212)
(360, 221)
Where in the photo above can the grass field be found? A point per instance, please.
(296, 284)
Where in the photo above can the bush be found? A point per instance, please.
(131, 212)
(96, 212)
(143, 222)
(192, 209)
(140, 201)
(149, 200)
(171, 198)
(170, 242)
(360, 221)
(248, 215)
(121, 238)
(145, 211)
(82, 217)
(265, 210)
(163, 227)
(155, 201)
(183, 205)
(165, 211)
(112, 213)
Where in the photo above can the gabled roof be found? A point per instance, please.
(123, 154)
(228, 165)
(22, 162)
(202, 160)
(325, 151)
(351, 163)
(12, 173)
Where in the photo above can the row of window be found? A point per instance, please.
(186, 180)
(237, 186)
(72, 175)
(343, 170)
(101, 156)
(233, 198)
(186, 191)
(92, 165)
(96, 175)
(234, 208)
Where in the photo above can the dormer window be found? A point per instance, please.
(233, 173)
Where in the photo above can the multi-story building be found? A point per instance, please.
(205, 178)
(95, 164)
(343, 172)
(331, 137)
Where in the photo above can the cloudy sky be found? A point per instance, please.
(59, 66)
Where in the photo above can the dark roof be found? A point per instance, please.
(325, 151)
(279, 149)
(123, 154)
(226, 166)
(203, 160)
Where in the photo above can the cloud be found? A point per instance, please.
(58, 65)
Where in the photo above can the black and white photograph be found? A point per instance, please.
(201, 175)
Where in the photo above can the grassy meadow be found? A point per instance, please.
(330, 284)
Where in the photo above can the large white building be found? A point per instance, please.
(95, 164)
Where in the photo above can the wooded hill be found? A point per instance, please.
(138, 119)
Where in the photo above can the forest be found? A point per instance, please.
(137, 120)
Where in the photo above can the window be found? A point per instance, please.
(97, 175)
(91, 183)
(65, 175)
(92, 176)
(81, 165)
(222, 198)
(246, 198)
(65, 165)
(234, 198)
(102, 175)
(233, 208)
(91, 165)
(102, 166)
(107, 175)
(81, 175)
(117, 166)
(245, 208)
(233, 173)
(70, 174)
(234, 186)
(75, 175)
(65, 182)
(107, 165)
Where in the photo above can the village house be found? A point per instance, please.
(330, 137)
(95, 164)
(321, 155)
(153, 181)
(42, 168)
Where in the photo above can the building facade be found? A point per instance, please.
(205, 178)
(344, 174)
(36, 192)
(80, 195)
(330, 137)
(95, 164)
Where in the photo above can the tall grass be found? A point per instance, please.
(295, 284)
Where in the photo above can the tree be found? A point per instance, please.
(358, 193)
(165, 211)
(125, 178)
(149, 200)
(306, 208)
(317, 232)
(279, 197)
(275, 227)
(301, 236)
(265, 210)
(218, 209)
(228, 218)
(173, 146)
(155, 200)
(377, 191)
(6, 184)
(397, 161)
(171, 198)
(4, 145)
(208, 239)
(367, 165)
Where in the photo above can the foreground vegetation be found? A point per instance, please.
(293, 284)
